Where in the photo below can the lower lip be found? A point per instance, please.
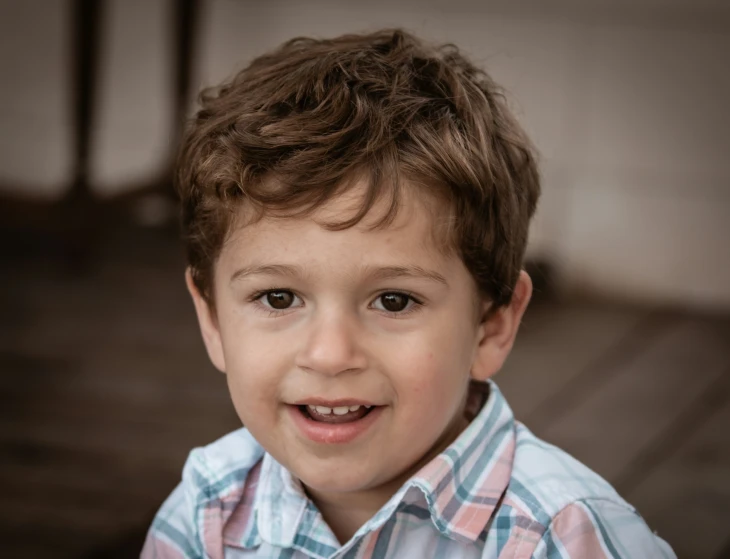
(333, 433)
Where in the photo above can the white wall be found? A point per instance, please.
(626, 101)
(647, 172)
(35, 118)
(134, 120)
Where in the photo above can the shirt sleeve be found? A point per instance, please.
(600, 529)
(173, 533)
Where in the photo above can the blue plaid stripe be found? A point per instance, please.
(176, 537)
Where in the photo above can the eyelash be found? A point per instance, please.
(417, 303)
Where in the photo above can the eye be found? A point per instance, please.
(394, 302)
(279, 299)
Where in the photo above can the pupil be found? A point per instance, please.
(279, 299)
(394, 302)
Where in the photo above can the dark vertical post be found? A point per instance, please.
(86, 32)
(185, 43)
(78, 213)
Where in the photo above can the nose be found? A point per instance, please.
(332, 346)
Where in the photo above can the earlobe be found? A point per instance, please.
(208, 324)
(498, 331)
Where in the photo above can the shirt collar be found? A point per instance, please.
(461, 487)
(465, 483)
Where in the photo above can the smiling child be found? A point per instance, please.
(356, 212)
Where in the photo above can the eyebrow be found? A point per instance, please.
(376, 274)
(267, 270)
(415, 272)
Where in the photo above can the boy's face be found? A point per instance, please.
(339, 319)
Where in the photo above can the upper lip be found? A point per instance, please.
(332, 403)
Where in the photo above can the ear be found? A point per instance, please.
(208, 324)
(498, 329)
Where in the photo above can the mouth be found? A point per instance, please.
(334, 422)
(335, 415)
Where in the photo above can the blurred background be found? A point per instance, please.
(623, 359)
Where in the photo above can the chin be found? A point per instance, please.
(335, 478)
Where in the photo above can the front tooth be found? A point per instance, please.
(355, 408)
(342, 410)
(323, 410)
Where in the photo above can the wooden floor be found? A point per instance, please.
(105, 387)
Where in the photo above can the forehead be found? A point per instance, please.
(415, 232)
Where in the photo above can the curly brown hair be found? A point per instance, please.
(303, 123)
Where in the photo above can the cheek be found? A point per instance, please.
(431, 387)
(431, 377)
(442, 354)
(253, 368)
(255, 396)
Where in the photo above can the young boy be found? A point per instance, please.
(356, 212)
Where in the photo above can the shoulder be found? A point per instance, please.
(596, 527)
(213, 471)
(545, 479)
(214, 477)
(558, 507)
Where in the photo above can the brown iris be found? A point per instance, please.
(394, 302)
(280, 300)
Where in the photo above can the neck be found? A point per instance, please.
(346, 512)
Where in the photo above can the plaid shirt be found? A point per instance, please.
(496, 492)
